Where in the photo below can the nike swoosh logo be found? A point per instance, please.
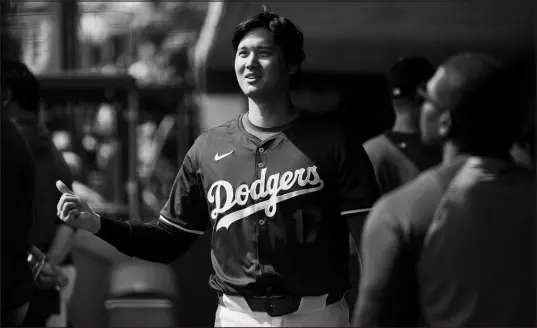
(219, 157)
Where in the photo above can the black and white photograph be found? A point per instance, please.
(268, 163)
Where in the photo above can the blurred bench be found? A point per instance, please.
(142, 294)
(95, 261)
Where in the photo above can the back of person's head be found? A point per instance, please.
(285, 33)
(21, 85)
(405, 76)
(479, 92)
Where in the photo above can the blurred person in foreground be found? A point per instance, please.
(18, 182)
(48, 306)
(457, 245)
(279, 189)
(399, 155)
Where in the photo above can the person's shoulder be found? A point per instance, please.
(211, 138)
(417, 196)
(478, 172)
(427, 188)
(13, 142)
(376, 140)
(375, 146)
(221, 131)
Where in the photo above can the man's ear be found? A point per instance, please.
(444, 124)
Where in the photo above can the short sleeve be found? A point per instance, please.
(357, 184)
(186, 208)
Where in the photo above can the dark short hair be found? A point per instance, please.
(481, 95)
(285, 33)
(407, 74)
(22, 83)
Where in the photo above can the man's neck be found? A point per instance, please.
(269, 114)
(404, 123)
(449, 151)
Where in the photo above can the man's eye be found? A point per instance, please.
(265, 53)
(242, 53)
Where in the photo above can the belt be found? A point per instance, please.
(278, 305)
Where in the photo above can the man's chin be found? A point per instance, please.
(253, 91)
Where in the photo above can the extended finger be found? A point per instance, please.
(63, 188)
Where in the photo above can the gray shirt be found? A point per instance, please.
(454, 247)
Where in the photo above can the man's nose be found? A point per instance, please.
(252, 61)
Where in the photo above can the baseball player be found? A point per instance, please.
(276, 186)
(456, 246)
(399, 155)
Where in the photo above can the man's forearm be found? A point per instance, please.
(61, 244)
(147, 241)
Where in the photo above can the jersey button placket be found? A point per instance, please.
(260, 227)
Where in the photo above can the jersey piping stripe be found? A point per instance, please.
(168, 222)
(362, 210)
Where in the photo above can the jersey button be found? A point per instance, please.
(261, 150)
(260, 164)
(262, 221)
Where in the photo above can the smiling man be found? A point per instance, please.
(277, 187)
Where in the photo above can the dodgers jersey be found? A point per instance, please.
(277, 208)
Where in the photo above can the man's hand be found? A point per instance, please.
(51, 277)
(76, 212)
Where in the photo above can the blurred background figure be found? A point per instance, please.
(18, 184)
(107, 153)
(399, 155)
(456, 246)
(49, 234)
(144, 67)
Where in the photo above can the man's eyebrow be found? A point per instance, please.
(261, 46)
